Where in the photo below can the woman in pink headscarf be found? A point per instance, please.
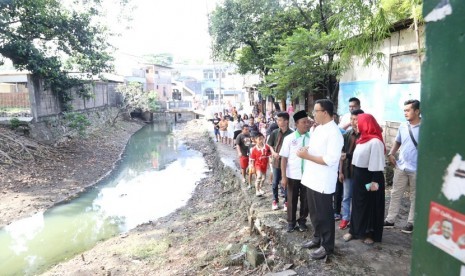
(368, 187)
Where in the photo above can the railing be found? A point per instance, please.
(179, 105)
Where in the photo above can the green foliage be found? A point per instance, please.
(302, 62)
(49, 38)
(135, 98)
(403, 9)
(15, 123)
(152, 103)
(77, 121)
(248, 33)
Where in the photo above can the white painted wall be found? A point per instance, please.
(371, 83)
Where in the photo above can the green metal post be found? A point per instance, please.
(442, 134)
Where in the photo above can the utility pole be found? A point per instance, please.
(439, 233)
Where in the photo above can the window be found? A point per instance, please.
(404, 67)
(164, 91)
(176, 94)
(210, 93)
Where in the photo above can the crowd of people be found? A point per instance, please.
(335, 171)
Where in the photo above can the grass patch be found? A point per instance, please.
(150, 250)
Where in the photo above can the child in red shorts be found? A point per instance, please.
(259, 157)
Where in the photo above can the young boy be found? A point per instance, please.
(259, 162)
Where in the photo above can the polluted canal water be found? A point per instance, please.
(156, 175)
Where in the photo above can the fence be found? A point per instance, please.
(14, 100)
(179, 105)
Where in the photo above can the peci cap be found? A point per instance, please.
(299, 115)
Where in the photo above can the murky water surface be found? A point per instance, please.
(156, 176)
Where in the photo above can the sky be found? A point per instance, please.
(179, 27)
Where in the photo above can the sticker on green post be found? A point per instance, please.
(446, 230)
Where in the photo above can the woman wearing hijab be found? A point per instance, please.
(368, 187)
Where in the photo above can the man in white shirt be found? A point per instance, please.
(292, 167)
(354, 104)
(320, 177)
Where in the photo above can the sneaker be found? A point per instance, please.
(388, 224)
(249, 187)
(343, 225)
(285, 207)
(257, 193)
(290, 228)
(407, 228)
(303, 227)
(261, 192)
(274, 206)
(337, 217)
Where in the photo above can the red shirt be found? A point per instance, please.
(260, 156)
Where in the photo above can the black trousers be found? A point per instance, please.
(295, 189)
(321, 211)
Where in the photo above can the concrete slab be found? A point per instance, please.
(22, 119)
(288, 272)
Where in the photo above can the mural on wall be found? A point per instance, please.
(385, 101)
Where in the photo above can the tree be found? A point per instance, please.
(49, 39)
(134, 98)
(248, 32)
(307, 61)
(302, 63)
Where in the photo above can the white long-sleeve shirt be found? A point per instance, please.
(326, 142)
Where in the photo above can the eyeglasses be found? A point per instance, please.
(316, 110)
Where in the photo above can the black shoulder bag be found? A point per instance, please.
(411, 135)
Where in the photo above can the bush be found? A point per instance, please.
(15, 123)
(77, 121)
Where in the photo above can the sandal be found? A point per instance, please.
(368, 241)
(347, 237)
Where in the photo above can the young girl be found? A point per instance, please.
(259, 162)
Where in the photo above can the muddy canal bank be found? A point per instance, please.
(36, 186)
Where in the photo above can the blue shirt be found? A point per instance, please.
(408, 152)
